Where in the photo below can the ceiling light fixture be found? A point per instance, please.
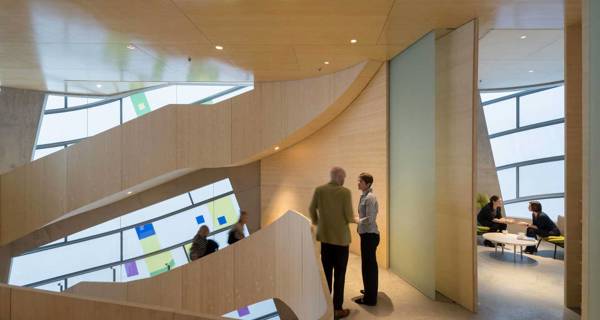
(276, 148)
(219, 47)
(98, 86)
(530, 71)
(130, 47)
(326, 62)
(523, 37)
(353, 41)
(129, 192)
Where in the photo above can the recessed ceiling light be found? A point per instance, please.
(530, 71)
(129, 192)
(219, 47)
(326, 62)
(98, 86)
(353, 41)
(130, 47)
(276, 148)
(523, 37)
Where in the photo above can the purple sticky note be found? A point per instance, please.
(131, 269)
(243, 312)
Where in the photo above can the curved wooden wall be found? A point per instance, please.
(169, 143)
(279, 261)
(18, 303)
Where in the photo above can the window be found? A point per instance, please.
(527, 136)
(154, 239)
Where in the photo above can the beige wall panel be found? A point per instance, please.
(4, 303)
(149, 146)
(246, 134)
(455, 168)
(573, 164)
(175, 140)
(95, 164)
(305, 98)
(102, 290)
(273, 114)
(258, 262)
(204, 135)
(199, 293)
(20, 117)
(247, 272)
(170, 282)
(487, 176)
(356, 140)
(30, 190)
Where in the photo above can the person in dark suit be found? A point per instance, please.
(541, 225)
(491, 216)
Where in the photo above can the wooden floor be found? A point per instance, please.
(532, 289)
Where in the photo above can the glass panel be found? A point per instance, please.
(179, 228)
(110, 225)
(161, 97)
(63, 126)
(542, 106)
(508, 183)
(105, 275)
(153, 265)
(128, 110)
(192, 93)
(54, 102)
(156, 210)
(256, 311)
(489, 96)
(59, 261)
(61, 240)
(54, 286)
(542, 178)
(529, 145)
(103, 117)
(552, 207)
(501, 116)
(231, 95)
(79, 101)
(40, 153)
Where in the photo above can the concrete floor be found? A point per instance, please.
(532, 289)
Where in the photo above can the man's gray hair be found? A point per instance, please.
(336, 173)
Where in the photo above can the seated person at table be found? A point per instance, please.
(491, 216)
(541, 225)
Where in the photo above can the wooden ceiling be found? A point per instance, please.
(71, 45)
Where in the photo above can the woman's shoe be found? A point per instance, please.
(339, 314)
(362, 301)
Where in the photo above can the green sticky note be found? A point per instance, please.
(224, 207)
(140, 103)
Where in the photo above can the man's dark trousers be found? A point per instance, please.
(335, 261)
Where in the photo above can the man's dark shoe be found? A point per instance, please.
(339, 314)
(363, 302)
(488, 243)
(362, 291)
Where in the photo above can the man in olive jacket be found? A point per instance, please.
(331, 211)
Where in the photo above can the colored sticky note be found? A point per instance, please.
(145, 231)
(225, 208)
(140, 103)
(222, 220)
(131, 269)
(243, 311)
(200, 219)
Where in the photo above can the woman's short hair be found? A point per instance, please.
(494, 198)
(367, 178)
(536, 206)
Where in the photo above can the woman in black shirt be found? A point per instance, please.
(541, 225)
(491, 216)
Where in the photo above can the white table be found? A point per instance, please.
(508, 239)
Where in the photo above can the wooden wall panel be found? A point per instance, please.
(178, 139)
(100, 170)
(149, 146)
(573, 164)
(252, 270)
(20, 117)
(356, 140)
(456, 155)
(4, 303)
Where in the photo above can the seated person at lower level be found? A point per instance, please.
(491, 216)
(541, 225)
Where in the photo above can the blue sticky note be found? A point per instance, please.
(145, 231)
(200, 219)
(222, 220)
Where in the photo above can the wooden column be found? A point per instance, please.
(573, 163)
(456, 158)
